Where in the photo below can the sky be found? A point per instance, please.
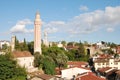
(68, 20)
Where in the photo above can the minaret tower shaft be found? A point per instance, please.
(37, 33)
(45, 38)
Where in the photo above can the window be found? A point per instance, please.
(116, 63)
(103, 63)
(99, 64)
(107, 63)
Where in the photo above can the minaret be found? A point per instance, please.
(45, 38)
(37, 33)
(13, 43)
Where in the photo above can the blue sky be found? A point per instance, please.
(69, 20)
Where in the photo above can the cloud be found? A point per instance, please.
(83, 8)
(20, 27)
(53, 26)
(86, 23)
(51, 30)
(96, 20)
(110, 29)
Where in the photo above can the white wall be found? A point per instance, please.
(68, 73)
(111, 63)
(27, 62)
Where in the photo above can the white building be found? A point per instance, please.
(107, 62)
(24, 59)
(60, 44)
(69, 73)
(3, 42)
(102, 45)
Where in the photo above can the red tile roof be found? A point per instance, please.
(77, 63)
(89, 76)
(18, 54)
(104, 69)
(105, 56)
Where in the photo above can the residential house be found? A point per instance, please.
(106, 61)
(71, 73)
(24, 59)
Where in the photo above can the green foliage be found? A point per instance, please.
(45, 62)
(31, 47)
(48, 66)
(112, 45)
(61, 60)
(57, 57)
(17, 46)
(38, 59)
(70, 44)
(21, 46)
(4, 46)
(63, 42)
(71, 55)
(9, 70)
(81, 49)
(51, 57)
(25, 47)
(77, 54)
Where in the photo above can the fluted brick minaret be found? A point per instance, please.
(37, 33)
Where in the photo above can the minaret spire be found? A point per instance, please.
(37, 33)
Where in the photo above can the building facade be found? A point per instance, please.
(107, 62)
(24, 59)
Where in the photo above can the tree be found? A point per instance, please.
(4, 46)
(112, 45)
(25, 45)
(61, 60)
(81, 49)
(71, 55)
(9, 70)
(63, 42)
(31, 47)
(38, 59)
(17, 46)
(70, 44)
(48, 65)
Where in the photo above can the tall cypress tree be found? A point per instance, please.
(25, 45)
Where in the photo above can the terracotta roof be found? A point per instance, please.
(18, 54)
(104, 69)
(76, 63)
(107, 70)
(105, 56)
(89, 76)
(45, 76)
(99, 60)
